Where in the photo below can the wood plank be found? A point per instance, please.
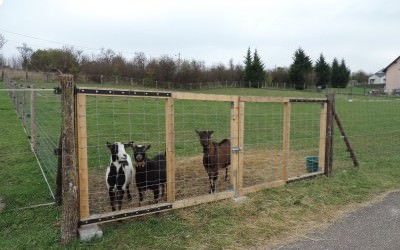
(82, 157)
(305, 176)
(175, 205)
(116, 92)
(235, 146)
(322, 137)
(262, 186)
(120, 215)
(241, 143)
(202, 199)
(329, 135)
(286, 139)
(170, 148)
(202, 97)
(263, 99)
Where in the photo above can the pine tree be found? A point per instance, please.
(254, 69)
(322, 72)
(257, 70)
(344, 74)
(300, 69)
(248, 66)
(335, 75)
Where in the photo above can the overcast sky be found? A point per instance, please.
(365, 33)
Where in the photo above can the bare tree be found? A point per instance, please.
(26, 53)
(139, 64)
(2, 42)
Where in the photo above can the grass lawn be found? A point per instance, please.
(263, 218)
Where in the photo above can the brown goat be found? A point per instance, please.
(215, 156)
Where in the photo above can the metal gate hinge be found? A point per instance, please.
(236, 150)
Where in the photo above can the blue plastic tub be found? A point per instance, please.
(312, 164)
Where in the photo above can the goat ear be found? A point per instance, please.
(210, 132)
(197, 131)
(148, 147)
(108, 145)
(129, 144)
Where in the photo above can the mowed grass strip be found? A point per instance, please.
(265, 217)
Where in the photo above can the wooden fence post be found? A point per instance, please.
(322, 137)
(329, 134)
(33, 120)
(170, 148)
(82, 156)
(286, 139)
(70, 218)
(236, 144)
(23, 111)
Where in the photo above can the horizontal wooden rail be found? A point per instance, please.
(262, 186)
(202, 97)
(125, 214)
(305, 176)
(156, 208)
(121, 92)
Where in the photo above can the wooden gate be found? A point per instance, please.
(235, 120)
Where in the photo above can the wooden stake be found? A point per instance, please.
(23, 111)
(235, 146)
(329, 134)
(322, 137)
(82, 157)
(286, 140)
(170, 148)
(70, 218)
(346, 139)
(33, 120)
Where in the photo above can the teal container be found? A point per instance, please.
(312, 164)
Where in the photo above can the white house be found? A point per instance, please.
(377, 78)
(392, 72)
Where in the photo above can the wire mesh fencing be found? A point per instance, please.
(38, 111)
(372, 126)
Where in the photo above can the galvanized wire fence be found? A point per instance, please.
(38, 111)
(372, 126)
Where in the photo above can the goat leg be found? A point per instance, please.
(111, 193)
(141, 190)
(156, 191)
(212, 184)
(128, 193)
(120, 196)
(162, 190)
(226, 175)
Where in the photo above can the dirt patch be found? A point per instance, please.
(260, 166)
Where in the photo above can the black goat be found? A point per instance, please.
(215, 156)
(150, 173)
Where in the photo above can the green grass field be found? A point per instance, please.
(266, 216)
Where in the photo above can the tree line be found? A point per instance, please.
(302, 73)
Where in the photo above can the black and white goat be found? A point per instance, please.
(150, 173)
(119, 173)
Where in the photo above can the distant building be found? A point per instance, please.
(392, 72)
(377, 78)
